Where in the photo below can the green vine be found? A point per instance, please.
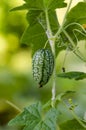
(52, 44)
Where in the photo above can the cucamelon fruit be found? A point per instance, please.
(42, 66)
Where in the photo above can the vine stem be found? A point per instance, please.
(67, 35)
(74, 115)
(14, 106)
(54, 78)
(51, 40)
(49, 31)
(64, 19)
(73, 45)
(77, 118)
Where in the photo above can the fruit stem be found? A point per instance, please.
(45, 44)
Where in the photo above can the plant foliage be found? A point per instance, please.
(31, 118)
(43, 30)
(73, 75)
(71, 125)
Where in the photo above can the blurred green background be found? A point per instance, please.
(16, 82)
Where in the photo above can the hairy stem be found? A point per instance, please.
(52, 39)
(48, 31)
(54, 77)
(52, 44)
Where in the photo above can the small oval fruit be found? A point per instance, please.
(42, 66)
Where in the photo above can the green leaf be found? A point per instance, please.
(30, 5)
(36, 16)
(31, 118)
(52, 19)
(32, 17)
(50, 122)
(35, 4)
(71, 125)
(75, 20)
(42, 5)
(34, 36)
(53, 4)
(73, 75)
(77, 13)
(22, 7)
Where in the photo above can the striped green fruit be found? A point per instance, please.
(42, 66)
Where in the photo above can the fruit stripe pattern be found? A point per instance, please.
(42, 66)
